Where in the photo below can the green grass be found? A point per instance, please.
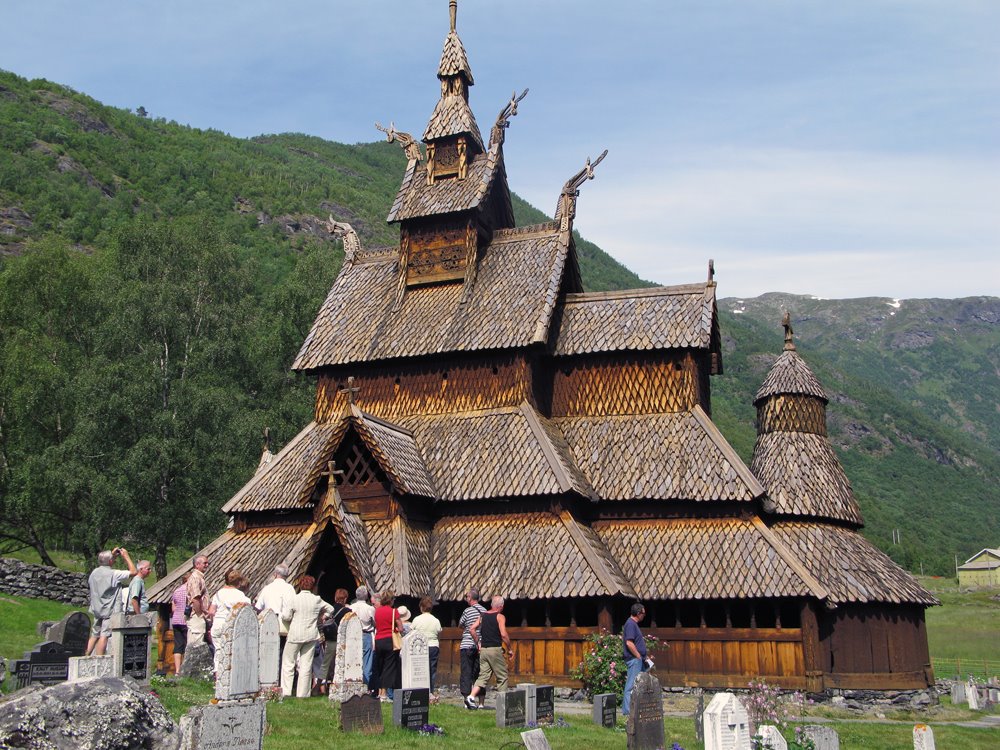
(19, 618)
(965, 627)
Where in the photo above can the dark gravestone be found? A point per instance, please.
(545, 704)
(605, 710)
(47, 663)
(135, 653)
(411, 707)
(644, 726)
(361, 713)
(73, 632)
(699, 717)
(512, 708)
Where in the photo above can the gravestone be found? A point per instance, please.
(824, 738)
(727, 726)
(545, 705)
(529, 702)
(198, 662)
(923, 737)
(224, 726)
(414, 661)
(89, 667)
(411, 707)
(994, 695)
(239, 667)
(772, 737)
(131, 646)
(47, 663)
(268, 649)
(605, 710)
(957, 693)
(972, 693)
(699, 717)
(73, 632)
(535, 739)
(512, 709)
(361, 713)
(644, 724)
(348, 675)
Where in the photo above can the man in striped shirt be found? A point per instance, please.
(469, 648)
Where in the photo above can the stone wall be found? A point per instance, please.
(43, 582)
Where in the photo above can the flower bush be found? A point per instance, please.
(603, 667)
(766, 704)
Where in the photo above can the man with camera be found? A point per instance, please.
(105, 584)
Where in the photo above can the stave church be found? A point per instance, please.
(482, 421)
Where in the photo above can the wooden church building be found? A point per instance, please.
(482, 421)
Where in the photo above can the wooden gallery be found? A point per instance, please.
(482, 421)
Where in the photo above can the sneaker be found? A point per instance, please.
(470, 703)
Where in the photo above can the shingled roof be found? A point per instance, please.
(452, 116)
(396, 451)
(804, 477)
(671, 317)
(454, 61)
(416, 197)
(790, 375)
(510, 305)
(679, 456)
(523, 556)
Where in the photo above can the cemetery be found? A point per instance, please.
(474, 332)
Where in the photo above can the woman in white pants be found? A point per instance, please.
(224, 602)
(302, 614)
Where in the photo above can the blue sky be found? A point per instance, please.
(839, 149)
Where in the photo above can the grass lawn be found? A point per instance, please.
(19, 618)
(966, 626)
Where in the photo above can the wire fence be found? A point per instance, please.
(965, 668)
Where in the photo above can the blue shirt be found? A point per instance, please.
(632, 633)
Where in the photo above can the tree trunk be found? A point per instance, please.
(160, 564)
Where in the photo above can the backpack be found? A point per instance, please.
(332, 625)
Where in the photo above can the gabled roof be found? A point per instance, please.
(851, 567)
(672, 317)
(975, 563)
(452, 116)
(680, 456)
(417, 198)
(510, 305)
(522, 556)
(790, 375)
(496, 454)
(396, 452)
(288, 479)
(803, 476)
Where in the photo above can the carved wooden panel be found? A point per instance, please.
(437, 254)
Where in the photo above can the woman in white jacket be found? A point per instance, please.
(303, 614)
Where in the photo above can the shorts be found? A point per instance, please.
(180, 638)
(101, 627)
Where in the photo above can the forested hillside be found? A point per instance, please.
(157, 280)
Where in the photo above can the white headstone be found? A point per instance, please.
(89, 667)
(224, 726)
(923, 737)
(268, 649)
(348, 676)
(972, 693)
(772, 737)
(535, 739)
(957, 693)
(727, 726)
(415, 661)
(823, 738)
(239, 666)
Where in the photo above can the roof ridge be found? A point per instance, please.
(656, 291)
(544, 227)
(753, 484)
(597, 565)
(818, 589)
(551, 454)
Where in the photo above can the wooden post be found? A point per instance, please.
(811, 656)
(604, 619)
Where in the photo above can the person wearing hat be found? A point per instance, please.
(404, 618)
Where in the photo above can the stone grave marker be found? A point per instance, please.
(644, 724)
(699, 717)
(771, 735)
(529, 702)
(348, 676)
(535, 739)
(545, 705)
(72, 631)
(972, 693)
(994, 695)
(414, 661)
(727, 726)
(361, 713)
(957, 693)
(224, 726)
(605, 710)
(268, 649)
(89, 667)
(47, 663)
(131, 645)
(198, 661)
(824, 738)
(923, 737)
(411, 707)
(239, 667)
(512, 709)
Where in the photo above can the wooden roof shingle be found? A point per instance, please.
(454, 61)
(637, 319)
(510, 305)
(679, 456)
(416, 197)
(396, 452)
(790, 375)
(452, 116)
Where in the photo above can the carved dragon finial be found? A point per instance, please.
(344, 231)
(503, 119)
(453, 13)
(566, 209)
(786, 321)
(405, 140)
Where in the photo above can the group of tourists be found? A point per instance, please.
(106, 584)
